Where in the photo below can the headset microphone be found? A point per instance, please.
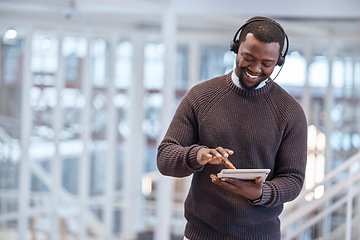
(281, 67)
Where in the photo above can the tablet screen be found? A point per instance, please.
(244, 174)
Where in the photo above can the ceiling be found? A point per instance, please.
(334, 21)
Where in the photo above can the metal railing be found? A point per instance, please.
(9, 149)
(336, 212)
(9, 193)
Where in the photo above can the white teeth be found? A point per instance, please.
(251, 76)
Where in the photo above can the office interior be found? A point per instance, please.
(88, 88)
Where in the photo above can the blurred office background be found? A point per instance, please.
(87, 89)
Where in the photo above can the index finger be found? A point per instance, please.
(228, 164)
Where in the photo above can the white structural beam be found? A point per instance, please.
(111, 136)
(165, 185)
(85, 158)
(329, 101)
(26, 126)
(135, 146)
(306, 97)
(57, 166)
(285, 9)
(299, 9)
(194, 63)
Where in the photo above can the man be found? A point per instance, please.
(239, 120)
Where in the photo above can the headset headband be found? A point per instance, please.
(234, 45)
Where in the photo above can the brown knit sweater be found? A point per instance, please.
(266, 128)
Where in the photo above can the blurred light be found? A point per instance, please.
(355, 138)
(161, 47)
(320, 168)
(312, 137)
(319, 192)
(146, 185)
(310, 172)
(295, 53)
(315, 168)
(320, 141)
(46, 43)
(10, 34)
(309, 196)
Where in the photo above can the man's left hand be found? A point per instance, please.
(249, 189)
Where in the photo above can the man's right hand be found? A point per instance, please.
(218, 155)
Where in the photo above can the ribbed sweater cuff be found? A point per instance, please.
(193, 164)
(266, 196)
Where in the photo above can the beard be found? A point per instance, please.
(242, 83)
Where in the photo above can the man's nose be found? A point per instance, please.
(255, 67)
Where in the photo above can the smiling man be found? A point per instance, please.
(242, 120)
(255, 61)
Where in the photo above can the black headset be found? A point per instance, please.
(234, 44)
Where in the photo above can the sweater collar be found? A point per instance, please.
(254, 92)
(236, 81)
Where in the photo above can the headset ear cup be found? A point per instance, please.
(281, 60)
(234, 46)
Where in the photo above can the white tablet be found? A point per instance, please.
(244, 174)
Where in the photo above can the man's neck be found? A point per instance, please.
(236, 81)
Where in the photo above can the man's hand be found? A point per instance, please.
(218, 155)
(249, 189)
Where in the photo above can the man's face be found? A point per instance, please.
(255, 61)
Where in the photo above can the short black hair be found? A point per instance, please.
(265, 30)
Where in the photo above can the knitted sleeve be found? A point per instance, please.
(177, 152)
(290, 160)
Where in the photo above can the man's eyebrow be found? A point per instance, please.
(264, 60)
(268, 60)
(247, 54)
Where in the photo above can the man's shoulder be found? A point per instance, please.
(211, 83)
(209, 87)
(286, 102)
(204, 95)
(283, 94)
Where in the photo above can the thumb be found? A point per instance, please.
(258, 179)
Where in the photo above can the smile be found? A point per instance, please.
(252, 76)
